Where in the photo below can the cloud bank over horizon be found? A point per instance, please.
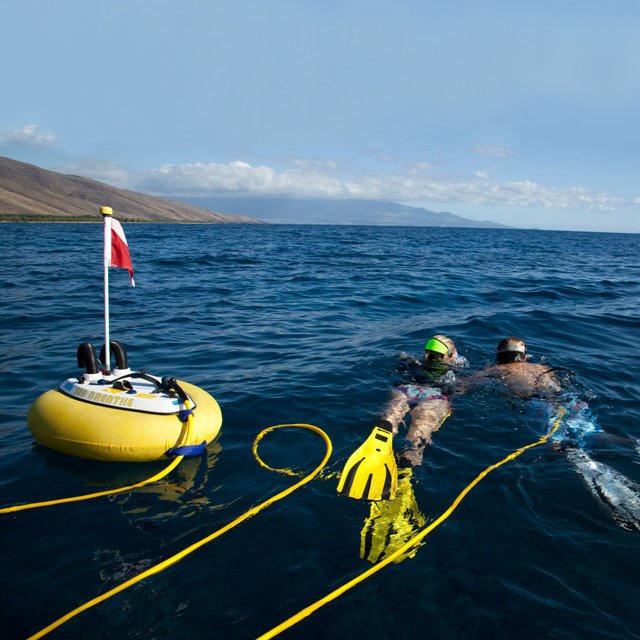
(419, 182)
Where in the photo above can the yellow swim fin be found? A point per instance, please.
(371, 472)
(391, 523)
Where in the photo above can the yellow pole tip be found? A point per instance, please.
(106, 211)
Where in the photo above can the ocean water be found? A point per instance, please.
(287, 324)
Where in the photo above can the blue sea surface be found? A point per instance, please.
(307, 324)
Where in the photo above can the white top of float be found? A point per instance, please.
(143, 395)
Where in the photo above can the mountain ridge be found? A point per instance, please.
(30, 194)
(282, 210)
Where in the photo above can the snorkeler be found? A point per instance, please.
(524, 379)
(371, 471)
(539, 384)
(579, 428)
(424, 398)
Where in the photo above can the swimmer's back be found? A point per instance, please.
(526, 379)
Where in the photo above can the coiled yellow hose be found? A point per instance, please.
(161, 566)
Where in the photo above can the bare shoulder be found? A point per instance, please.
(529, 378)
(522, 378)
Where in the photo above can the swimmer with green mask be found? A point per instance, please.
(422, 399)
(395, 516)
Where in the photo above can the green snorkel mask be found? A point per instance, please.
(436, 346)
(434, 351)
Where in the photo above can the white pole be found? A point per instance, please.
(106, 214)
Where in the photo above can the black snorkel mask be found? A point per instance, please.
(506, 357)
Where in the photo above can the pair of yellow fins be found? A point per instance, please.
(371, 473)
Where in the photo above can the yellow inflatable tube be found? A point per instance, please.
(106, 431)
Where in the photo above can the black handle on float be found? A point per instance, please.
(118, 351)
(87, 358)
(171, 384)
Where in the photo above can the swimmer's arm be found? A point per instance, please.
(548, 381)
(476, 379)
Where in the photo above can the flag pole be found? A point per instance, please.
(106, 212)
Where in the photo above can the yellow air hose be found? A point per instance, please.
(336, 593)
(161, 566)
(89, 496)
(306, 612)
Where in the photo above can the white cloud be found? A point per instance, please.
(28, 135)
(419, 183)
(492, 151)
(241, 177)
(416, 183)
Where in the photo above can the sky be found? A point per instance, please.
(523, 113)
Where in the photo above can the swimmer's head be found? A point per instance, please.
(441, 348)
(511, 349)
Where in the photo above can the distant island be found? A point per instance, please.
(31, 194)
(281, 210)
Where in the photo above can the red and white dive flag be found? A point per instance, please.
(120, 256)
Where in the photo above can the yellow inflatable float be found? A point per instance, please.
(123, 415)
(118, 414)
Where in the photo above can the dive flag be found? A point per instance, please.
(120, 256)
